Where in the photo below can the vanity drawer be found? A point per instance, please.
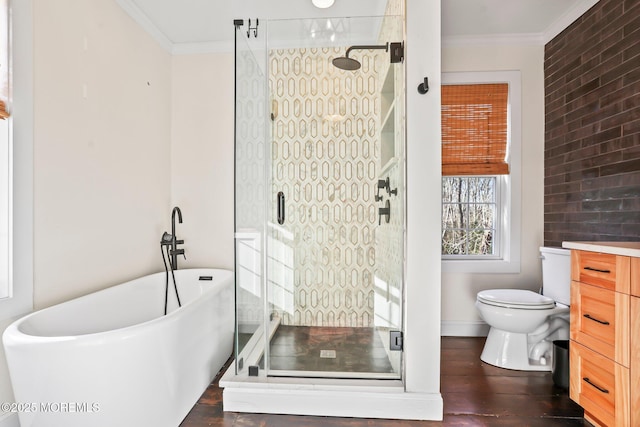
(635, 276)
(604, 270)
(600, 386)
(600, 321)
(634, 365)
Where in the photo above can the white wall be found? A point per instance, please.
(422, 288)
(459, 289)
(102, 146)
(202, 157)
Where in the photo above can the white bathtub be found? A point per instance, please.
(112, 359)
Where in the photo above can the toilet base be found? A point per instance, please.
(510, 350)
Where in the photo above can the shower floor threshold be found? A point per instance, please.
(334, 375)
(360, 398)
(295, 378)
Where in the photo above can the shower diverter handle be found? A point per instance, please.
(386, 212)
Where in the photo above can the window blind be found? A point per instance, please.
(474, 129)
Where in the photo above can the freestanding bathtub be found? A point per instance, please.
(112, 358)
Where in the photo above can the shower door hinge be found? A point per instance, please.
(396, 52)
(395, 341)
(253, 29)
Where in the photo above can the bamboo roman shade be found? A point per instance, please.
(474, 129)
(4, 59)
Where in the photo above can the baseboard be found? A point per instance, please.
(358, 398)
(9, 420)
(476, 328)
(408, 406)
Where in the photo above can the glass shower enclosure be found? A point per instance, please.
(320, 197)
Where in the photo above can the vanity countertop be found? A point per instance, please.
(631, 249)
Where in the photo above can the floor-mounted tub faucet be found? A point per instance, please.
(174, 252)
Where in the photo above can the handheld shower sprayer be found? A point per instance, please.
(166, 239)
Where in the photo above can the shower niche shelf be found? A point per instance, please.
(388, 116)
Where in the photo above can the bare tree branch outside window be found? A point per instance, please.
(468, 215)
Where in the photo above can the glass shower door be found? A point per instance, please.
(335, 222)
(250, 204)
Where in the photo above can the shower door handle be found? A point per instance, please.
(280, 207)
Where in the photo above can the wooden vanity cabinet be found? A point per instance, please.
(634, 333)
(604, 337)
(634, 368)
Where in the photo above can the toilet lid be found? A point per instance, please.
(516, 298)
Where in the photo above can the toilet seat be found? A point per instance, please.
(516, 299)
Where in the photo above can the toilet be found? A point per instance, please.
(524, 323)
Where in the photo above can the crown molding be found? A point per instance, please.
(143, 20)
(567, 19)
(173, 48)
(494, 39)
(522, 39)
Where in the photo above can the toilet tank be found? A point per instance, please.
(556, 274)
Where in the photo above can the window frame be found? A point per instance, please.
(21, 159)
(509, 203)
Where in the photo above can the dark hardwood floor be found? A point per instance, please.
(474, 394)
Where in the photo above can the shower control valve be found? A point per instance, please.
(382, 183)
(385, 183)
(384, 212)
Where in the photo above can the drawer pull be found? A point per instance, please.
(597, 270)
(588, 381)
(602, 322)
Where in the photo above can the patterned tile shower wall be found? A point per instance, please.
(249, 187)
(325, 159)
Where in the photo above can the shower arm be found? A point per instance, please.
(367, 47)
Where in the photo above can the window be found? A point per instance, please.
(480, 167)
(469, 215)
(5, 144)
(16, 165)
(5, 209)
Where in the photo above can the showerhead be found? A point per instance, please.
(350, 64)
(346, 63)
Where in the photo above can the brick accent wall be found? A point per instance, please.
(592, 127)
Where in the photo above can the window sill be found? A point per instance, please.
(481, 266)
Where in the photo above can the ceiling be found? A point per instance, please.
(209, 22)
(491, 17)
